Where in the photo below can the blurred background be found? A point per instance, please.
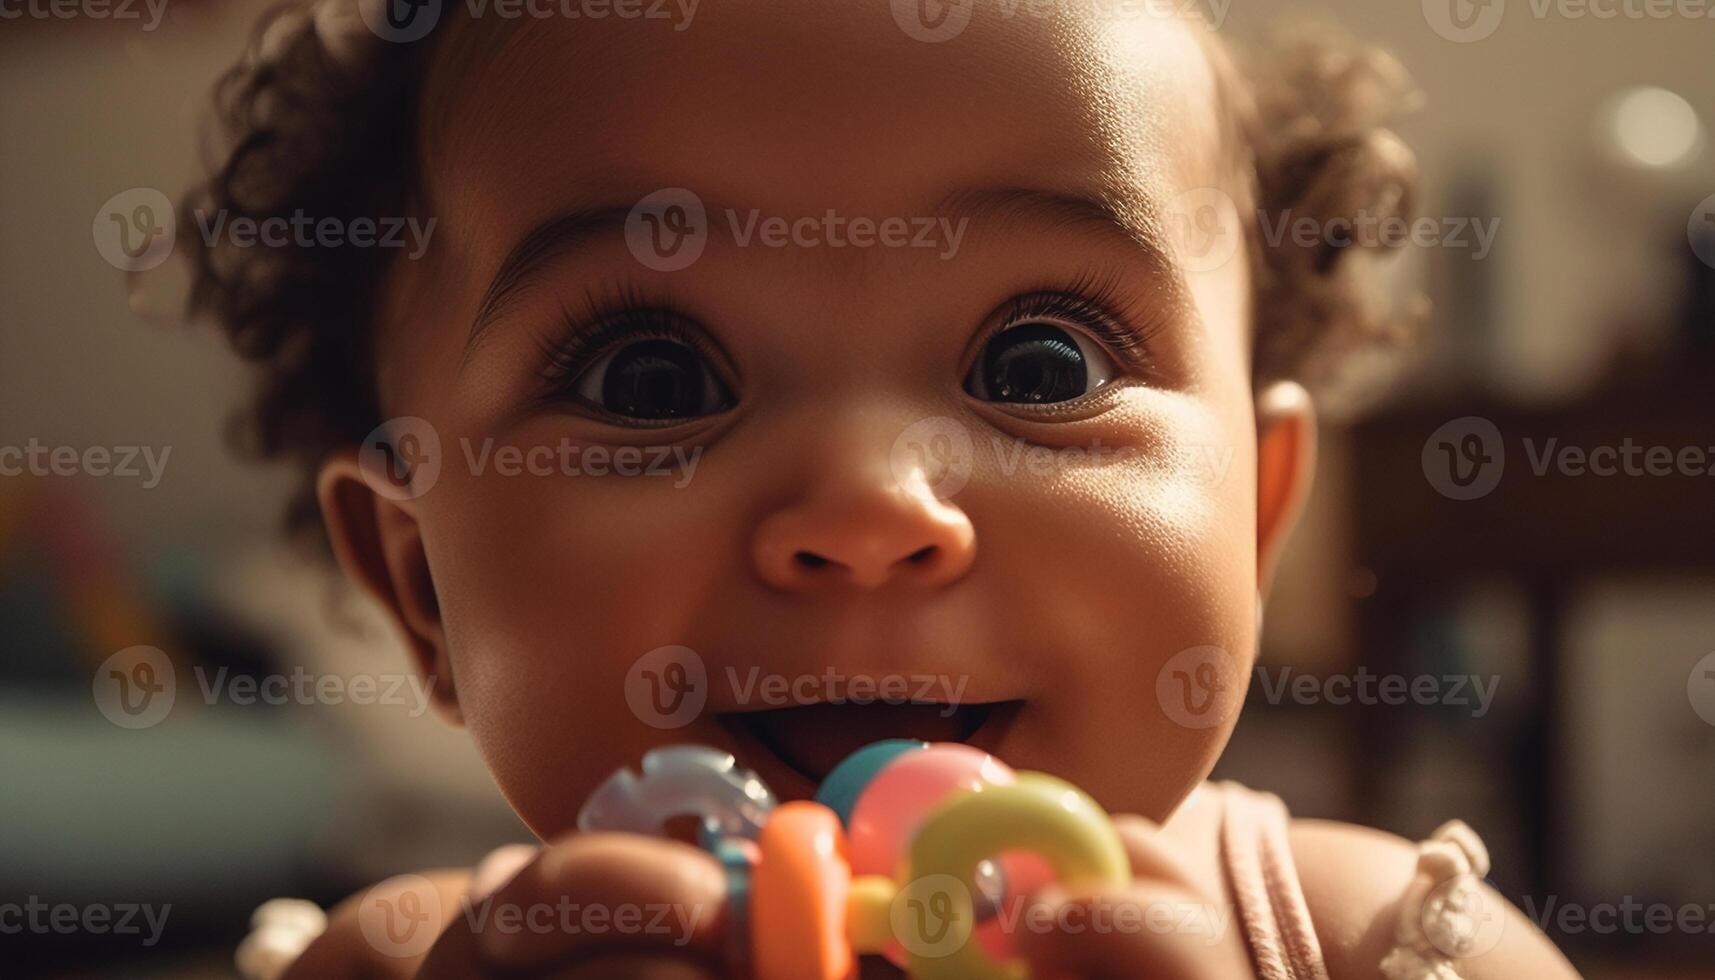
(1435, 548)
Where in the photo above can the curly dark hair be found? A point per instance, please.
(309, 128)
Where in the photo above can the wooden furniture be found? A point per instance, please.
(1545, 532)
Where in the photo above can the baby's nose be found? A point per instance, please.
(858, 540)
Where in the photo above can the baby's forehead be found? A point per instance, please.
(801, 107)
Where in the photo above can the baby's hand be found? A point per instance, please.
(587, 905)
(1160, 925)
(595, 905)
(622, 905)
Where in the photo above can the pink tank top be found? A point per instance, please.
(1271, 908)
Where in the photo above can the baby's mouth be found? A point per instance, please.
(812, 739)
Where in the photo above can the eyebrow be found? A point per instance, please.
(1122, 217)
(541, 247)
(1125, 216)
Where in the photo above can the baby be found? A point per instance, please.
(935, 316)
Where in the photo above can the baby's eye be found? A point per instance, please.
(654, 379)
(1039, 361)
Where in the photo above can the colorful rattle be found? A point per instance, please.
(908, 851)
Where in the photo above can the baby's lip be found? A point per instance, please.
(811, 739)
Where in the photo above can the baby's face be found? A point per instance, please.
(1081, 509)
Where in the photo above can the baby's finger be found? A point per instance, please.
(1145, 930)
(602, 892)
(500, 866)
(454, 957)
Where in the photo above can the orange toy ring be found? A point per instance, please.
(798, 896)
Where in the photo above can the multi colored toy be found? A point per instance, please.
(909, 850)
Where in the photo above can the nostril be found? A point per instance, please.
(922, 555)
(809, 559)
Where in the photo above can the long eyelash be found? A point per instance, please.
(605, 320)
(1094, 303)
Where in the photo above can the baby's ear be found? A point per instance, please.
(1285, 468)
(378, 541)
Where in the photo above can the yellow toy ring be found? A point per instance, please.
(934, 914)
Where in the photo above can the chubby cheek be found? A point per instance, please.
(552, 588)
(1149, 558)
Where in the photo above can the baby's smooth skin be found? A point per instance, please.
(805, 540)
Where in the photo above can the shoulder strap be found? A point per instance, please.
(1264, 880)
